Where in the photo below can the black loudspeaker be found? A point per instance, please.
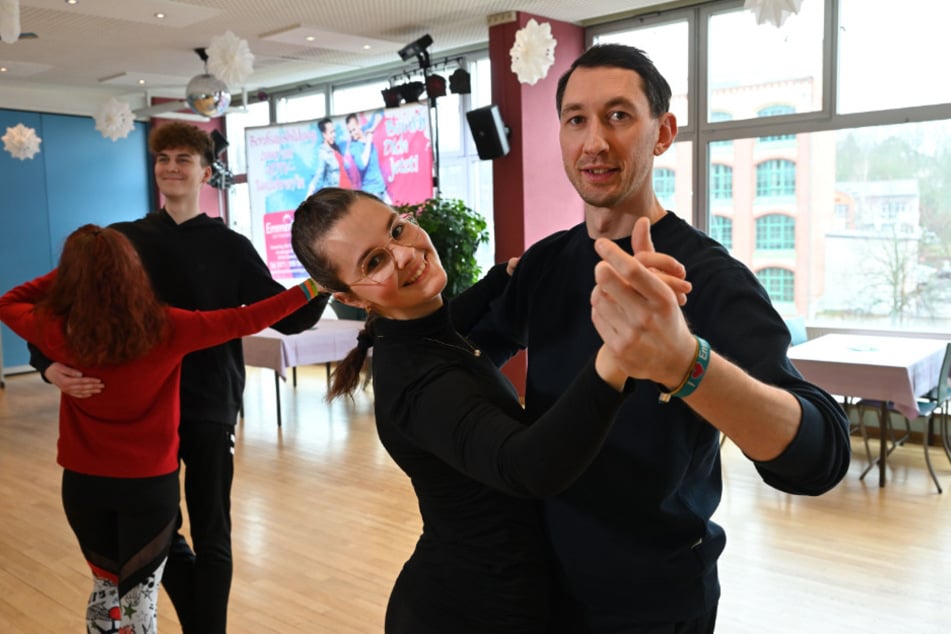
(488, 131)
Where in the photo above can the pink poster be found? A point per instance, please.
(387, 152)
(280, 256)
(407, 152)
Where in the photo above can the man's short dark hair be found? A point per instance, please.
(323, 123)
(177, 135)
(621, 56)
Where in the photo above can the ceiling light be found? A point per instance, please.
(3, 69)
(160, 15)
(72, 1)
(367, 47)
(141, 82)
(310, 38)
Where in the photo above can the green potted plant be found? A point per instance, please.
(456, 231)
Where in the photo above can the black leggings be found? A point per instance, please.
(124, 525)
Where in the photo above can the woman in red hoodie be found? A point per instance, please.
(119, 448)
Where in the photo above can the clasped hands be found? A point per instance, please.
(635, 307)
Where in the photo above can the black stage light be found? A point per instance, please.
(435, 86)
(460, 83)
(412, 91)
(417, 48)
(221, 176)
(391, 97)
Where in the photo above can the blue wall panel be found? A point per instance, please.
(92, 179)
(79, 176)
(24, 222)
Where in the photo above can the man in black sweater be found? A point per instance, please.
(633, 537)
(196, 262)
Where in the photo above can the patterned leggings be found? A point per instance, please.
(124, 527)
(135, 612)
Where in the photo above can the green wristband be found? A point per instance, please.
(695, 374)
(309, 288)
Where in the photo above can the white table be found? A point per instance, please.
(882, 368)
(330, 340)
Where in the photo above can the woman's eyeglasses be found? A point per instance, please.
(379, 264)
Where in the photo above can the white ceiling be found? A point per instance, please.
(108, 46)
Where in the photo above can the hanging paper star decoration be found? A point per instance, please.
(533, 52)
(21, 142)
(230, 59)
(9, 21)
(773, 11)
(114, 119)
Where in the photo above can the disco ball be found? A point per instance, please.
(207, 95)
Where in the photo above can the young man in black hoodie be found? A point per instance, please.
(196, 262)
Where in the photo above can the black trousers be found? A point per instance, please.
(569, 618)
(123, 525)
(198, 581)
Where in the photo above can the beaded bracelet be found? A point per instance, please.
(695, 373)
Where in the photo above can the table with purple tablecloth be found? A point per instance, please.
(330, 340)
(890, 369)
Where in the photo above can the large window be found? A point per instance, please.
(301, 107)
(364, 96)
(772, 111)
(743, 57)
(239, 202)
(667, 45)
(719, 115)
(839, 201)
(908, 57)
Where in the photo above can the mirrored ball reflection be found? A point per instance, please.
(207, 95)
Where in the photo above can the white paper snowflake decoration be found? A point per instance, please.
(533, 52)
(773, 11)
(10, 21)
(21, 142)
(230, 59)
(114, 119)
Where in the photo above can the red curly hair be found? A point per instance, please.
(105, 299)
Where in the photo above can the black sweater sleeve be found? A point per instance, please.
(257, 284)
(472, 304)
(452, 418)
(39, 360)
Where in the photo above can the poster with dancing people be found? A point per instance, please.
(387, 152)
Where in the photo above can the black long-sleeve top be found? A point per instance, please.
(633, 535)
(201, 264)
(454, 424)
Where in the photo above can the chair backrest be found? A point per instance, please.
(797, 330)
(344, 311)
(941, 392)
